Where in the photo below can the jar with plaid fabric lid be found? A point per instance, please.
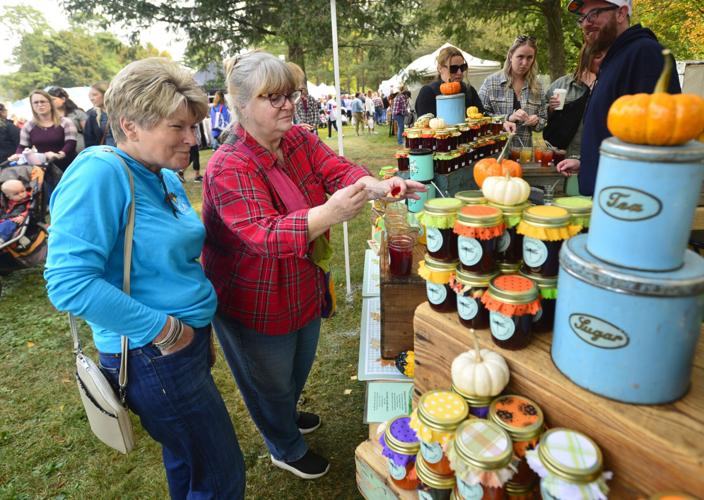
(483, 459)
(570, 466)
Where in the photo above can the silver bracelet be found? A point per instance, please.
(173, 334)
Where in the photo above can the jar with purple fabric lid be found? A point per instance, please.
(400, 446)
(478, 405)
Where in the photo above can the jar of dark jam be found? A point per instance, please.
(508, 267)
(443, 140)
(497, 124)
(469, 288)
(455, 137)
(512, 301)
(439, 216)
(478, 229)
(437, 274)
(474, 130)
(433, 486)
(509, 248)
(517, 491)
(402, 160)
(428, 139)
(523, 419)
(544, 228)
(465, 137)
(471, 197)
(413, 138)
(478, 405)
(579, 207)
(544, 319)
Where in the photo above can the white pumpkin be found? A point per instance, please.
(506, 190)
(436, 123)
(479, 372)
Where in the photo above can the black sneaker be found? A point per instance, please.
(198, 178)
(308, 422)
(310, 466)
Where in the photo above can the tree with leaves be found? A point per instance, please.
(678, 24)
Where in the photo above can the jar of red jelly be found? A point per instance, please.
(465, 137)
(413, 138)
(523, 419)
(475, 128)
(433, 486)
(471, 197)
(439, 216)
(427, 137)
(544, 228)
(544, 319)
(509, 248)
(481, 455)
(478, 229)
(455, 137)
(508, 267)
(512, 300)
(435, 419)
(402, 160)
(437, 276)
(478, 405)
(442, 140)
(400, 446)
(579, 207)
(517, 491)
(469, 288)
(497, 124)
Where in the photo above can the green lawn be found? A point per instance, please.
(47, 450)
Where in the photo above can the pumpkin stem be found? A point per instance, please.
(477, 356)
(664, 80)
(506, 146)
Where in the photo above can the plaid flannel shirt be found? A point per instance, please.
(400, 105)
(255, 253)
(497, 97)
(308, 112)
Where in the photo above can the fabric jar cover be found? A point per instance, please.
(400, 429)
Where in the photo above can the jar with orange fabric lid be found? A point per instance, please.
(523, 419)
(435, 419)
(437, 276)
(400, 445)
(510, 247)
(469, 288)
(478, 229)
(512, 300)
(544, 228)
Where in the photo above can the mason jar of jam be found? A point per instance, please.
(497, 124)
(474, 129)
(478, 405)
(517, 491)
(437, 275)
(413, 138)
(509, 248)
(455, 137)
(439, 215)
(442, 140)
(580, 209)
(508, 267)
(480, 454)
(544, 228)
(544, 319)
(427, 136)
(433, 486)
(400, 446)
(402, 160)
(465, 137)
(469, 288)
(435, 419)
(478, 229)
(523, 419)
(471, 197)
(512, 301)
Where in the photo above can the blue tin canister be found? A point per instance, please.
(420, 164)
(450, 108)
(416, 206)
(644, 204)
(627, 335)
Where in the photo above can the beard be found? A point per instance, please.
(601, 40)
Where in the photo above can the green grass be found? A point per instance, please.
(48, 451)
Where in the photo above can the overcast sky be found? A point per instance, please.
(56, 17)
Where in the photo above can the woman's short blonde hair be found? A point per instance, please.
(256, 73)
(150, 90)
(298, 74)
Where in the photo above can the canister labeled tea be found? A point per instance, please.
(400, 446)
(469, 288)
(439, 216)
(478, 229)
(579, 207)
(627, 335)
(645, 196)
(437, 276)
(420, 164)
(510, 246)
(513, 301)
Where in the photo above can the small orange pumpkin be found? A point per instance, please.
(496, 167)
(450, 88)
(657, 119)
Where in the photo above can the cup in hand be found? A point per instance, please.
(560, 94)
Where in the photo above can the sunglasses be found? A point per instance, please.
(454, 68)
(594, 13)
(278, 100)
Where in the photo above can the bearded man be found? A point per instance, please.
(632, 65)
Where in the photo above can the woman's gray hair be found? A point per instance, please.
(253, 74)
(150, 90)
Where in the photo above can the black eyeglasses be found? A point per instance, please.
(454, 68)
(594, 13)
(278, 100)
(525, 38)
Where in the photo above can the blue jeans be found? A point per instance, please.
(180, 407)
(271, 371)
(399, 119)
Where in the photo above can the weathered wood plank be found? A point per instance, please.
(373, 479)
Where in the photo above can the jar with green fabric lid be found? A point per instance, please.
(438, 216)
(433, 486)
(512, 300)
(544, 319)
(437, 275)
(435, 419)
(471, 197)
(442, 163)
(570, 465)
(544, 228)
(469, 288)
(509, 248)
(579, 207)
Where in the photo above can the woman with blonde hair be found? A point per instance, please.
(516, 92)
(97, 130)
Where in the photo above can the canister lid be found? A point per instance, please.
(513, 289)
(541, 281)
(400, 437)
(450, 96)
(480, 216)
(442, 410)
(570, 455)
(686, 281)
(510, 210)
(483, 444)
(471, 197)
(521, 417)
(546, 216)
(430, 478)
(472, 279)
(420, 152)
(438, 265)
(691, 152)
(442, 206)
(577, 205)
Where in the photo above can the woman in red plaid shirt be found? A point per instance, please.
(267, 214)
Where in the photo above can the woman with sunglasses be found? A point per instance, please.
(451, 68)
(516, 92)
(267, 214)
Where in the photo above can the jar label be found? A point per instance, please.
(396, 471)
(432, 452)
(535, 252)
(598, 332)
(629, 204)
(436, 293)
(470, 250)
(502, 326)
(538, 315)
(424, 495)
(469, 491)
(467, 307)
(503, 242)
(433, 239)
